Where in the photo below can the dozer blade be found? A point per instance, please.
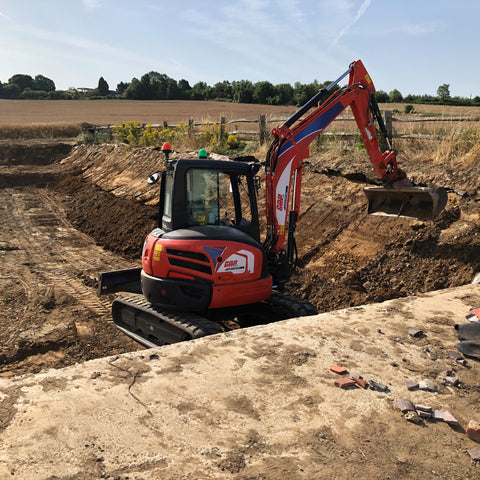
(424, 203)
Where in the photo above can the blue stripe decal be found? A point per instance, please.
(316, 126)
(214, 253)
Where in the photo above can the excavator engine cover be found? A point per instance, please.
(424, 203)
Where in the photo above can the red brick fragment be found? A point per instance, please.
(423, 414)
(424, 408)
(345, 382)
(360, 382)
(338, 369)
(456, 356)
(473, 430)
(405, 405)
(475, 454)
(449, 418)
(411, 385)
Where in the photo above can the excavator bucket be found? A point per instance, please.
(424, 203)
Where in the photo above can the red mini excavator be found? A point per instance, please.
(205, 262)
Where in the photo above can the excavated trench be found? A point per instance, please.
(69, 214)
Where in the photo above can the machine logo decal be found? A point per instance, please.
(240, 262)
(214, 253)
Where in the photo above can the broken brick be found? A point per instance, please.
(338, 369)
(475, 454)
(474, 315)
(456, 356)
(423, 408)
(405, 405)
(449, 418)
(437, 415)
(427, 385)
(359, 381)
(473, 430)
(424, 414)
(451, 380)
(416, 333)
(411, 385)
(345, 382)
(379, 387)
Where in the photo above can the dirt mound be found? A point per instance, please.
(117, 223)
(33, 153)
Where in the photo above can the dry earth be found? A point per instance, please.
(60, 209)
(67, 216)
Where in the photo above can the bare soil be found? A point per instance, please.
(68, 214)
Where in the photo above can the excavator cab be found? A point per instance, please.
(201, 192)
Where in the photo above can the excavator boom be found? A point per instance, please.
(289, 149)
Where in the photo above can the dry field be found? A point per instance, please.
(110, 112)
(62, 118)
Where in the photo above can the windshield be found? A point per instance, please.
(212, 198)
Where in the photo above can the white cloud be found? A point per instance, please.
(5, 16)
(92, 4)
(424, 28)
(360, 12)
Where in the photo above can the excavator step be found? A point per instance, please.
(152, 326)
(424, 203)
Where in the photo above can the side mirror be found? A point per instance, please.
(153, 178)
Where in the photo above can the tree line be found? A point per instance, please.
(159, 86)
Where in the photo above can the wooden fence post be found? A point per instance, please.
(190, 127)
(388, 125)
(222, 130)
(263, 129)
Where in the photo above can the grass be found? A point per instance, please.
(39, 131)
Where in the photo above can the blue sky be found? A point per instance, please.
(413, 46)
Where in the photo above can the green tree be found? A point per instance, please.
(304, 92)
(172, 92)
(395, 96)
(242, 91)
(283, 94)
(156, 85)
(43, 83)
(102, 88)
(136, 90)
(22, 81)
(263, 93)
(121, 87)
(201, 91)
(223, 90)
(184, 89)
(381, 96)
(10, 91)
(443, 92)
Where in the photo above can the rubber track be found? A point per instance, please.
(194, 326)
(296, 307)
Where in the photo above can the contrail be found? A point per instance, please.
(361, 11)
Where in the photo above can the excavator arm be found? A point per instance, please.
(289, 149)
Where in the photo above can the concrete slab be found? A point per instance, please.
(255, 403)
